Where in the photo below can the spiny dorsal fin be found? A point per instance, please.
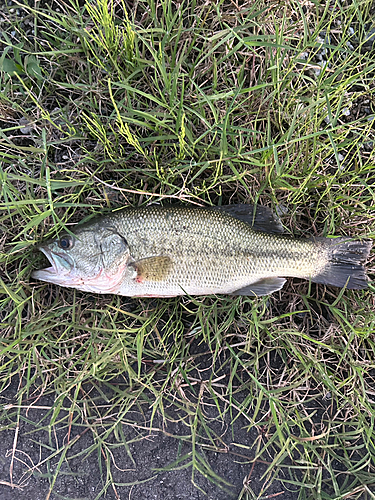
(261, 287)
(152, 268)
(260, 218)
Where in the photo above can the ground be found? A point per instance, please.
(152, 446)
(111, 103)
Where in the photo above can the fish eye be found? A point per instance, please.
(66, 242)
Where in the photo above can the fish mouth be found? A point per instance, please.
(60, 269)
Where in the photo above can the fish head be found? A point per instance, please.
(92, 259)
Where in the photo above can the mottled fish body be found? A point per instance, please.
(160, 251)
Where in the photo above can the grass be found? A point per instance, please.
(107, 104)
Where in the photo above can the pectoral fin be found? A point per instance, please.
(262, 287)
(152, 268)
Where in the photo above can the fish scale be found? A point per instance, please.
(167, 251)
(211, 251)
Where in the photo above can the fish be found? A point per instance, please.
(167, 251)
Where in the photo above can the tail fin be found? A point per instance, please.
(346, 263)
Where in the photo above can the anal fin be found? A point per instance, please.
(265, 286)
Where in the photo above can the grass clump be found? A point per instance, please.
(106, 104)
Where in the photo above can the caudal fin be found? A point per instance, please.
(346, 263)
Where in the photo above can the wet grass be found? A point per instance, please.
(107, 104)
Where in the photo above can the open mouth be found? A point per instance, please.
(61, 266)
(48, 254)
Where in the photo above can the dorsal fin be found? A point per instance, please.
(260, 218)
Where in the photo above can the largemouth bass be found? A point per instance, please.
(160, 251)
